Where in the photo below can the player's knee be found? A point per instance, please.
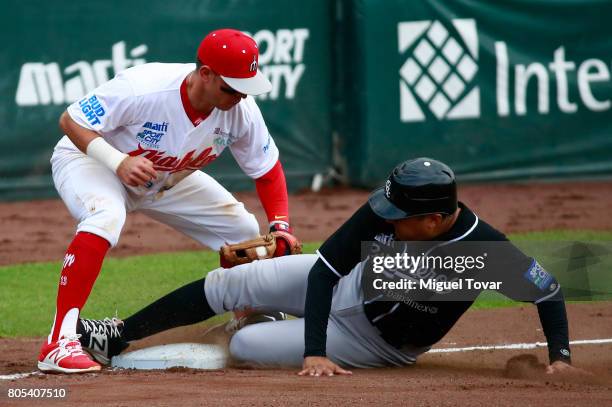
(245, 344)
(105, 219)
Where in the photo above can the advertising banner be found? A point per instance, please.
(61, 50)
(497, 90)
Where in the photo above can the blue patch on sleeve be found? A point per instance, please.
(92, 109)
(538, 276)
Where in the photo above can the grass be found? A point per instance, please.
(27, 291)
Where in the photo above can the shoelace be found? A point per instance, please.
(107, 326)
(71, 344)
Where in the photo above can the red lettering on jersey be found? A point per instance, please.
(167, 162)
(172, 164)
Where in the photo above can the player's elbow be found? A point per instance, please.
(64, 122)
(320, 272)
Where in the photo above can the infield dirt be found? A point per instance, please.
(480, 378)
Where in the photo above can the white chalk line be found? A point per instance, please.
(511, 346)
(16, 376)
(514, 346)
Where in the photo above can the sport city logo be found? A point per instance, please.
(151, 133)
(281, 56)
(439, 70)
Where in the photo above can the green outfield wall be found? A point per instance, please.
(497, 89)
(500, 90)
(55, 52)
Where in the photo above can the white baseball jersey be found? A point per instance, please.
(140, 113)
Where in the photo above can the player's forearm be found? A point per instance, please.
(321, 282)
(272, 192)
(554, 323)
(91, 143)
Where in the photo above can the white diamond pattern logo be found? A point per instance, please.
(452, 51)
(410, 71)
(437, 77)
(424, 52)
(439, 105)
(437, 34)
(467, 68)
(439, 69)
(425, 88)
(453, 86)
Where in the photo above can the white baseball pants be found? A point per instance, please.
(198, 205)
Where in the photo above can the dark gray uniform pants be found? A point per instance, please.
(280, 284)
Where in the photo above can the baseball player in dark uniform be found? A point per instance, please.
(337, 326)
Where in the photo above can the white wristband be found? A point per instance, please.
(282, 225)
(108, 155)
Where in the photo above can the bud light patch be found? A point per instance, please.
(92, 109)
(538, 276)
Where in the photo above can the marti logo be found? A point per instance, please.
(440, 69)
(43, 83)
(151, 133)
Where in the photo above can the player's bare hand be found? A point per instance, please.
(560, 367)
(136, 171)
(321, 366)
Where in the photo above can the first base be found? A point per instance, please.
(190, 355)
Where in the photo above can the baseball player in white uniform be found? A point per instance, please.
(137, 143)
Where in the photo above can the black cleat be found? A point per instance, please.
(101, 338)
(235, 324)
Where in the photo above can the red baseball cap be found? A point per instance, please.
(235, 57)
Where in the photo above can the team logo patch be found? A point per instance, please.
(152, 133)
(439, 70)
(92, 109)
(267, 146)
(223, 138)
(68, 260)
(540, 277)
(385, 239)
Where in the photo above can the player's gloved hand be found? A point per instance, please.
(284, 240)
(560, 367)
(136, 171)
(321, 366)
(260, 248)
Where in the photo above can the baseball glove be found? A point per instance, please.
(274, 244)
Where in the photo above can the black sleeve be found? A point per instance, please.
(524, 279)
(342, 250)
(554, 323)
(321, 282)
